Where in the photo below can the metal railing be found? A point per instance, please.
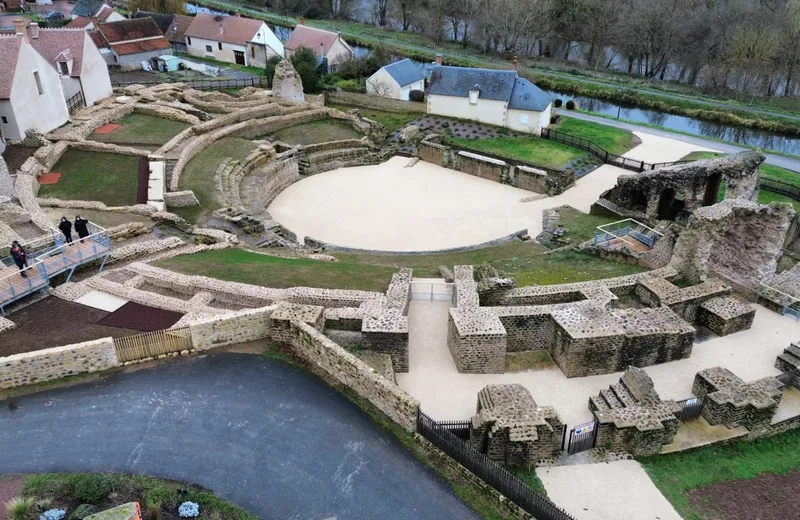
(480, 465)
(75, 102)
(780, 187)
(152, 344)
(790, 305)
(202, 84)
(625, 231)
(691, 408)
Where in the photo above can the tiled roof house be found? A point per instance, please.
(232, 39)
(324, 43)
(131, 42)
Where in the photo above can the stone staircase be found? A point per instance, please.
(789, 360)
(614, 397)
(325, 160)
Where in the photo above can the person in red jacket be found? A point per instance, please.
(20, 257)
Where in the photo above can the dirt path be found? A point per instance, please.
(773, 496)
(9, 488)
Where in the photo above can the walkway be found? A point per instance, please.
(265, 436)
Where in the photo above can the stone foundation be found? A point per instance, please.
(732, 402)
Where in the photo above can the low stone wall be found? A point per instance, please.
(231, 329)
(314, 347)
(483, 167)
(277, 176)
(181, 199)
(375, 102)
(58, 362)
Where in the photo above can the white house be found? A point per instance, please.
(495, 97)
(31, 95)
(325, 44)
(73, 54)
(88, 13)
(396, 80)
(232, 39)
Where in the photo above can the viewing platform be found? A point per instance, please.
(50, 256)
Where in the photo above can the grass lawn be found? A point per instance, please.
(525, 261)
(615, 140)
(159, 498)
(105, 177)
(315, 132)
(393, 121)
(142, 129)
(198, 175)
(676, 474)
(255, 71)
(580, 226)
(534, 150)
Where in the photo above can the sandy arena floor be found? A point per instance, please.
(389, 207)
(445, 394)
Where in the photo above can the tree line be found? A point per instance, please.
(750, 46)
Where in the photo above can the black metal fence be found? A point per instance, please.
(602, 153)
(780, 187)
(691, 408)
(202, 84)
(582, 437)
(75, 102)
(444, 438)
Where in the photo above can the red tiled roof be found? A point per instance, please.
(235, 29)
(79, 22)
(304, 36)
(52, 42)
(125, 30)
(105, 12)
(141, 46)
(98, 39)
(9, 54)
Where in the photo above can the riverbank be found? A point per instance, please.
(622, 88)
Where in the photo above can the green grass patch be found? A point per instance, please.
(103, 491)
(676, 474)
(580, 226)
(315, 132)
(106, 177)
(142, 129)
(534, 150)
(255, 71)
(198, 175)
(614, 140)
(393, 121)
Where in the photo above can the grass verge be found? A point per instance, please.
(142, 129)
(676, 474)
(614, 140)
(255, 71)
(393, 121)
(105, 177)
(316, 132)
(534, 150)
(580, 226)
(198, 175)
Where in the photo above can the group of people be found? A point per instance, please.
(19, 255)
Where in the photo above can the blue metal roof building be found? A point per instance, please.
(404, 72)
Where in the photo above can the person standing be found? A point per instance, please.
(81, 227)
(66, 227)
(20, 257)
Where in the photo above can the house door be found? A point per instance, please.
(239, 57)
(404, 93)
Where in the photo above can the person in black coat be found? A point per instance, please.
(20, 257)
(81, 227)
(66, 227)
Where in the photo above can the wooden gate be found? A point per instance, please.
(152, 344)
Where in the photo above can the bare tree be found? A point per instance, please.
(380, 88)
(380, 11)
(404, 12)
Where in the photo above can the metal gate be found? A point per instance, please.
(582, 437)
(433, 290)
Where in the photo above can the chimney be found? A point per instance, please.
(19, 28)
(302, 20)
(221, 30)
(33, 28)
(514, 63)
(321, 50)
(95, 21)
(438, 59)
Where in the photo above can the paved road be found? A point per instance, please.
(778, 160)
(267, 437)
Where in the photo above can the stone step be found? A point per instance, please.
(597, 404)
(793, 350)
(787, 362)
(623, 395)
(326, 155)
(611, 399)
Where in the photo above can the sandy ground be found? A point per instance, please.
(584, 492)
(389, 207)
(446, 394)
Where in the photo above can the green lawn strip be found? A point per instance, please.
(393, 121)
(105, 177)
(529, 477)
(580, 226)
(104, 491)
(236, 265)
(198, 175)
(255, 71)
(315, 132)
(614, 140)
(676, 474)
(142, 129)
(534, 150)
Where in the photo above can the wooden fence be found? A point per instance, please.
(152, 344)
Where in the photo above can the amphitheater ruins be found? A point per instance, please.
(704, 323)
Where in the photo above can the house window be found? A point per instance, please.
(473, 97)
(38, 82)
(252, 52)
(115, 58)
(523, 119)
(188, 40)
(4, 120)
(220, 45)
(209, 49)
(63, 68)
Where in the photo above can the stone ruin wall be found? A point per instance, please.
(374, 102)
(732, 402)
(278, 176)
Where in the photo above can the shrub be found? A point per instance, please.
(92, 488)
(18, 508)
(557, 103)
(416, 95)
(553, 120)
(53, 514)
(189, 510)
(351, 69)
(82, 511)
(570, 105)
(309, 77)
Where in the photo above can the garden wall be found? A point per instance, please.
(230, 329)
(58, 362)
(346, 368)
(374, 102)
